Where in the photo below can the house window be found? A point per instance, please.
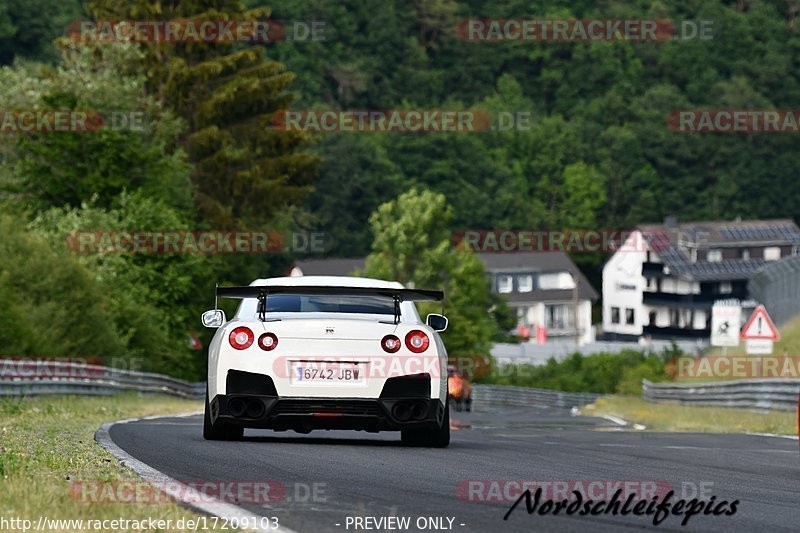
(505, 284)
(725, 287)
(615, 315)
(772, 253)
(557, 316)
(744, 254)
(556, 280)
(652, 318)
(714, 256)
(525, 283)
(674, 318)
(630, 316)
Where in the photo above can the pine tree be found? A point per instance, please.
(245, 170)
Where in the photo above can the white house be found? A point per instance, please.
(663, 281)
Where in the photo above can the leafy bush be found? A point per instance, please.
(156, 301)
(51, 303)
(651, 369)
(604, 373)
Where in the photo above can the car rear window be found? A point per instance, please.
(295, 303)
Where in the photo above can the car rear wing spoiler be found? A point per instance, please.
(262, 292)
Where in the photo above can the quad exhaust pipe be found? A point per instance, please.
(252, 408)
(245, 408)
(237, 407)
(419, 410)
(410, 410)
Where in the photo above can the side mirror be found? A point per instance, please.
(437, 322)
(214, 318)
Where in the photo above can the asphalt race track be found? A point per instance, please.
(360, 474)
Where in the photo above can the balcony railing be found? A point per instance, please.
(688, 300)
(672, 332)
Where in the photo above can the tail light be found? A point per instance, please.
(417, 341)
(390, 344)
(268, 341)
(241, 338)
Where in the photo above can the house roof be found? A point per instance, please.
(493, 262)
(673, 243)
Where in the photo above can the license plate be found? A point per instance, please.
(310, 372)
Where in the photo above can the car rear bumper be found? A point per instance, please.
(253, 401)
(306, 414)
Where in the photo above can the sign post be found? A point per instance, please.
(759, 332)
(726, 317)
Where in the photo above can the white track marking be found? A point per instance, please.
(174, 488)
(790, 437)
(620, 422)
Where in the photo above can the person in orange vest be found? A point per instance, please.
(459, 389)
(453, 384)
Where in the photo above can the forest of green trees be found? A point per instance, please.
(598, 152)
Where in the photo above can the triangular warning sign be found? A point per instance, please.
(760, 326)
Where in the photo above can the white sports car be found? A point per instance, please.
(324, 352)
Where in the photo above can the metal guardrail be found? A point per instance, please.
(769, 394)
(36, 377)
(529, 397)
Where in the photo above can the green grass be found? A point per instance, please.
(47, 443)
(690, 418)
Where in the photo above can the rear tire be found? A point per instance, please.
(220, 430)
(429, 438)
